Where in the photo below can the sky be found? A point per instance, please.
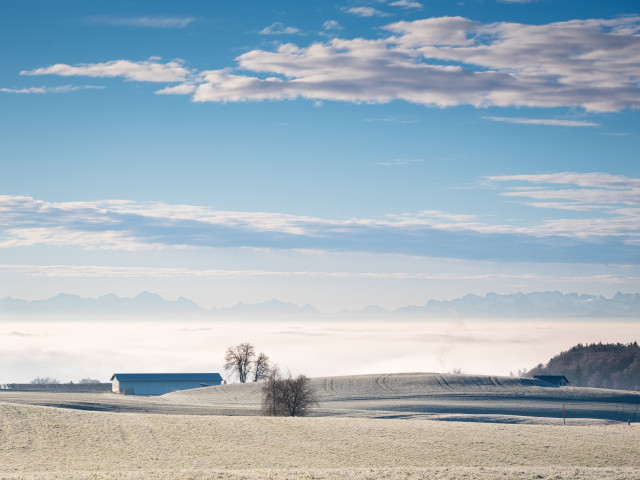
(338, 154)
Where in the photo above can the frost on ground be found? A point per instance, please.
(366, 427)
(45, 443)
(430, 396)
(442, 473)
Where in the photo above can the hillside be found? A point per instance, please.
(597, 365)
(420, 396)
(433, 396)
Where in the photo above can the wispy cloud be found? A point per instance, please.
(400, 161)
(611, 234)
(595, 180)
(145, 21)
(145, 71)
(392, 120)
(278, 28)
(366, 12)
(543, 121)
(615, 197)
(101, 271)
(446, 61)
(60, 89)
(331, 25)
(406, 4)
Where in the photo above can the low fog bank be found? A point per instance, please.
(71, 350)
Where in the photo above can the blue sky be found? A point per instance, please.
(332, 153)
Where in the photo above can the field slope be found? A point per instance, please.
(440, 396)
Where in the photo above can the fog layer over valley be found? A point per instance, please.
(71, 350)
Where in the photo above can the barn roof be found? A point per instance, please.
(166, 377)
(551, 378)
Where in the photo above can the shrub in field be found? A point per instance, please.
(291, 397)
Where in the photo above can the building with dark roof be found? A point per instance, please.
(161, 383)
(559, 380)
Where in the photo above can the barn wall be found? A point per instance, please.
(156, 388)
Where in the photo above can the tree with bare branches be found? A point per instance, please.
(292, 397)
(261, 367)
(238, 360)
(271, 393)
(241, 360)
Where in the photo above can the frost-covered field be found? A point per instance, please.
(428, 396)
(365, 427)
(441, 397)
(47, 442)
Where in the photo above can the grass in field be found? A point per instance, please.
(43, 442)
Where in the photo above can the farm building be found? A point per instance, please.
(161, 383)
(559, 380)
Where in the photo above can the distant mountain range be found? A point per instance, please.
(517, 305)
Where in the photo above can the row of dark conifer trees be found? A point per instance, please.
(599, 365)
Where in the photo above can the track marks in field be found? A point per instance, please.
(495, 381)
(329, 386)
(382, 383)
(443, 382)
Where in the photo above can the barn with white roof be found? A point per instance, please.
(161, 383)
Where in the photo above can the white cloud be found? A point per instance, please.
(101, 271)
(182, 89)
(146, 71)
(149, 22)
(331, 25)
(543, 121)
(595, 179)
(366, 12)
(60, 89)
(615, 197)
(406, 4)
(446, 61)
(278, 28)
(64, 237)
(601, 210)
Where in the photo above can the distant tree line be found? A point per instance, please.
(608, 365)
(55, 381)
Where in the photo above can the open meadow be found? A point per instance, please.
(365, 427)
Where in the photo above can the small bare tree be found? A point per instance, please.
(261, 367)
(271, 393)
(88, 381)
(239, 359)
(45, 381)
(292, 397)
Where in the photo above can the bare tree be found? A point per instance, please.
(271, 393)
(88, 381)
(239, 360)
(291, 397)
(45, 381)
(261, 367)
